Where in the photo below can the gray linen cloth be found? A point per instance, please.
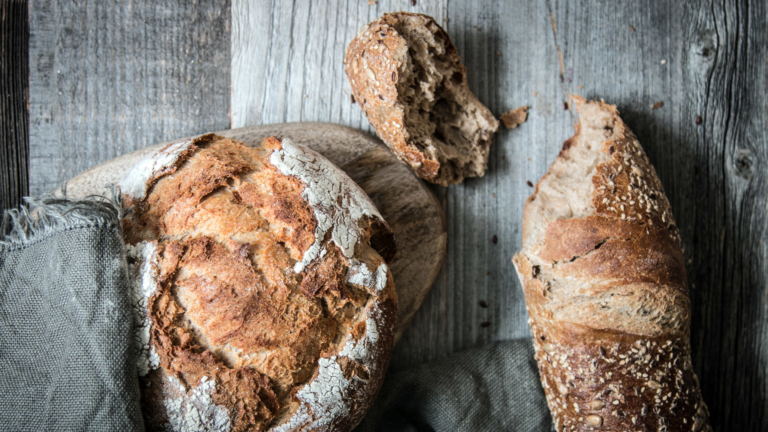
(493, 387)
(67, 362)
(66, 355)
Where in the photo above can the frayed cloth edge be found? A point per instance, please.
(40, 217)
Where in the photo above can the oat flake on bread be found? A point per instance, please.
(261, 288)
(605, 287)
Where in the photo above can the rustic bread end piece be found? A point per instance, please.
(408, 78)
(605, 287)
(262, 296)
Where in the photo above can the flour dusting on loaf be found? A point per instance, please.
(262, 292)
(360, 274)
(159, 162)
(194, 411)
(338, 202)
(604, 279)
(143, 267)
(328, 388)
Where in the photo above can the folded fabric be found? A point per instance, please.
(494, 387)
(66, 354)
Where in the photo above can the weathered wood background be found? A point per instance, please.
(105, 79)
(14, 96)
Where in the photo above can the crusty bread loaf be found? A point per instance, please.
(408, 78)
(605, 286)
(261, 292)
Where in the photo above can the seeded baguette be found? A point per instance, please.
(605, 287)
(408, 79)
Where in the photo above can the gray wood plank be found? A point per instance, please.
(107, 78)
(14, 96)
(723, 162)
(477, 269)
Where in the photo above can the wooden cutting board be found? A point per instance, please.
(410, 208)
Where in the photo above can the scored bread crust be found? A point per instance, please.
(259, 300)
(380, 65)
(605, 287)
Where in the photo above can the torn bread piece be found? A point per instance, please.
(605, 286)
(408, 78)
(261, 291)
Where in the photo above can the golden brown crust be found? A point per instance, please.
(237, 332)
(619, 382)
(597, 246)
(377, 62)
(606, 289)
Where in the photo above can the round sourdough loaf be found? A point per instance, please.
(261, 293)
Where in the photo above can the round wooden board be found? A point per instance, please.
(408, 206)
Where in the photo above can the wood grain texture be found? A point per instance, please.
(509, 53)
(724, 162)
(14, 96)
(107, 78)
(405, 202)
(702, 59)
